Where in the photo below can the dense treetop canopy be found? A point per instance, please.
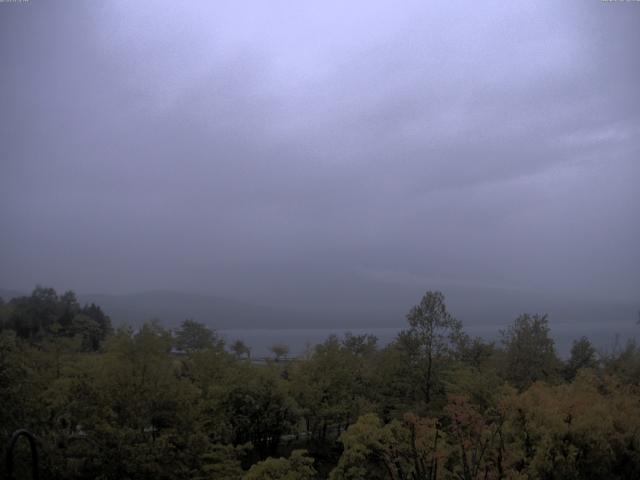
(434, 404)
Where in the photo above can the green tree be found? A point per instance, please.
(194, 336)
(87, 330)
(4, 314)
(588, 429)
(299, 466)
(70, 308)
(94, 312)
(330, 387)
(398, 450)
(280, 350)
(240, 349)
(475, 439)
(432, 336)
(624, 363)
(259, 409)
(33, 316)
(139, 417)
(583, 355)
(397, 379)
(360, 345)
(529, 351)
(44, 314)
(14, 384)
(223, 462)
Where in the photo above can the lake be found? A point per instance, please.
(604, 335)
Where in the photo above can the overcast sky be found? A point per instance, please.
(262, 149)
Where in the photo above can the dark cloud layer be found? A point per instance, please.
(288, 152)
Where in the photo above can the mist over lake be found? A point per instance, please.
(606, 337)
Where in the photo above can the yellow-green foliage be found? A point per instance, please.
(134, 407)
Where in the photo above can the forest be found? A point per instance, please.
(153, 403)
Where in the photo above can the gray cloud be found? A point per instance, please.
(275, 151)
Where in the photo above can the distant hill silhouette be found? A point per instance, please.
(387, 307)
(172, 307)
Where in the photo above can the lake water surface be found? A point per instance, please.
(604, 335)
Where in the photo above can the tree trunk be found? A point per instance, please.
(428, 385)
